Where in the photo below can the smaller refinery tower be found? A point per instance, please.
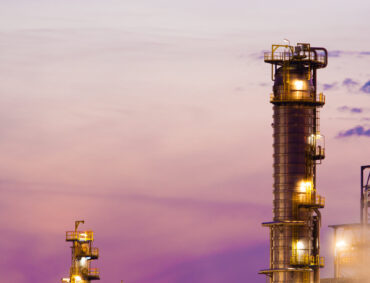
(82, 254)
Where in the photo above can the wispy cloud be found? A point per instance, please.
(356, 131)
(366, 87)
(354, 110)
(257, 55)
(330, 86)
(350, 84)
(340, 53)
(335, 53)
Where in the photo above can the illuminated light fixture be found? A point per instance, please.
(315, 139)
(300, 245)
(341, 244)
(77, 278)
(298, 85)
(82, 237)
(312, 139)
(305, 186)
(300, 250)
(83, 261)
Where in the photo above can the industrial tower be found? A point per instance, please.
(82, 255)
(298, 147)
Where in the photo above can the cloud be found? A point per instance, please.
(329, 86)
(340, 53)
(356, 110)
(353, 85)
(366, 87)
(356, 131)
(335, 53)
(257, 55)
(350, 109)
(349, 82)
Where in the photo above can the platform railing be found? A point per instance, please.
(94, 252)
(93, 272)
(82, 236)
(297, 96)
(307, 260)
(287, 56)
(310, 199)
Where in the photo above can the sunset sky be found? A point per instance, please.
(150, 120)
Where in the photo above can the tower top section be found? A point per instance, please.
(83, 253)
(293, 69)
(301, 54)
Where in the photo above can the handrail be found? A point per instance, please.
(93, 272)
(310, 199)
(306, 259)
(88, 252)
(94, 251)
(82, 236)
(346, 259)
(287, 56)
(297, 96)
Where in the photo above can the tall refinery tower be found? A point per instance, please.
(82, 254)
(298, 147)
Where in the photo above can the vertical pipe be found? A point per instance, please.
(271, 254)
(362, 196)
(336, 259)
(317, 243)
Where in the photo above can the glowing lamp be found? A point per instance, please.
(83, 261)
(298, 85)
(300, 245)
(340, 244)
(305, 186)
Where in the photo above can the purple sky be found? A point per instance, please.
(151, 121)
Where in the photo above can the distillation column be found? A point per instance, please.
(298, 147)
(82, 254)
